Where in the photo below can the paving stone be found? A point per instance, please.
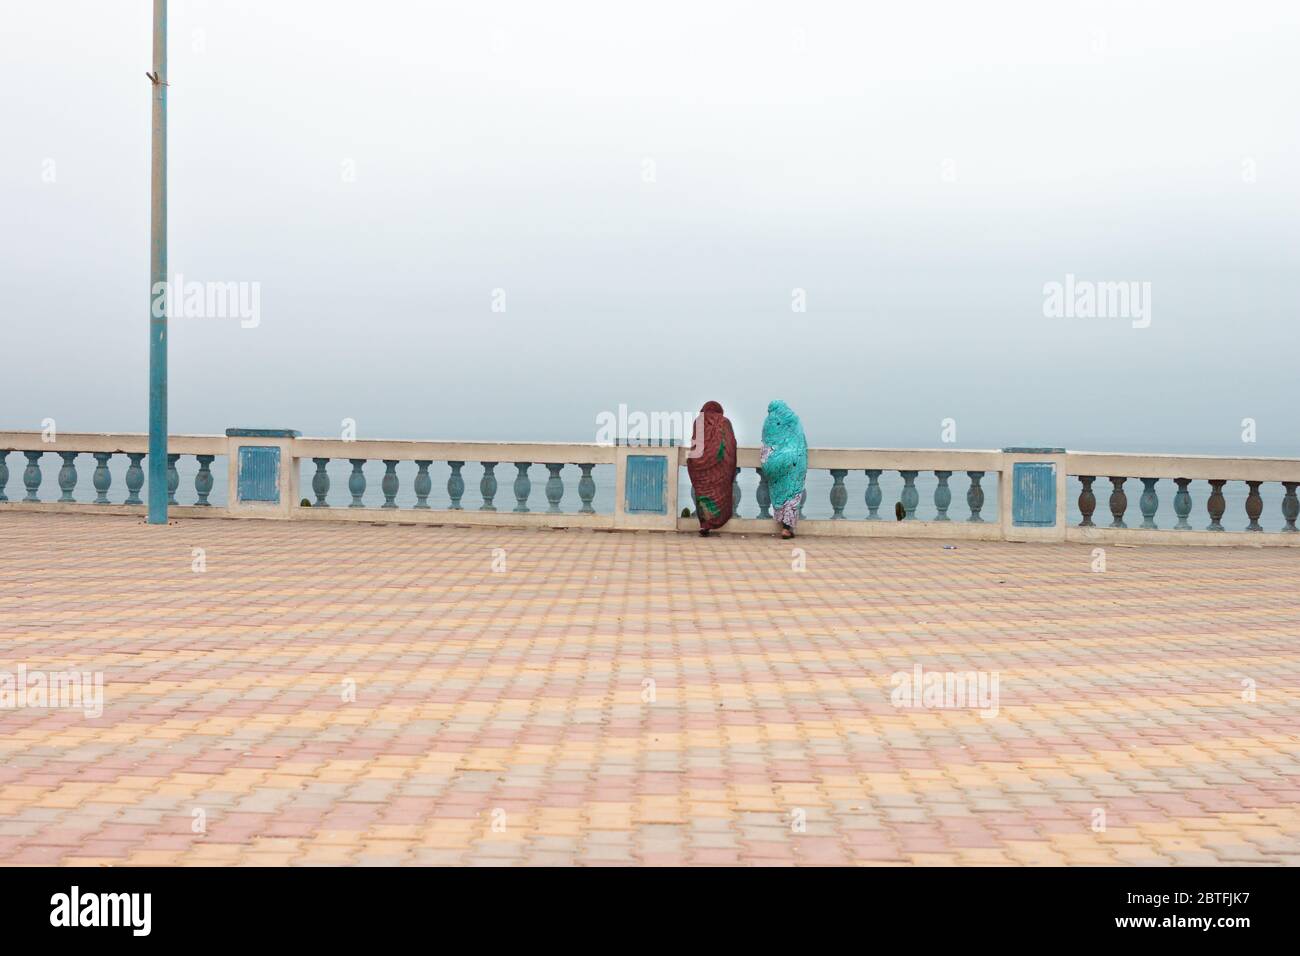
(337, 694)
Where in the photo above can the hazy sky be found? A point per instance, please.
(649, 184)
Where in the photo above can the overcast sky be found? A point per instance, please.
(649, 184)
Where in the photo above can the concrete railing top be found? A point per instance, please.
(117, 442)
(1100, 463)
(886, 459)
(408, 450)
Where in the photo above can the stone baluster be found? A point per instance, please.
(735, 494)
(1087, 501)
(1215, 503)
(134, 477)
(32, 474)
(455, 485)
(839, 494)
(975, 497)
(763, 496)
(423, 483)
(942, 495)
(523, 487)
(910, 497)
(357, 482)
(1149, 502)
(554, 488)
(487, 486)
(173, 479)
(587, 489)
(1182, 504)
(389, 483)
(320, 482)
(68, 476)
(203, 480)
(1290, 504)
(1118, 502)
(102, 478)
(874, 495)
(4, 471)
(1254, 506)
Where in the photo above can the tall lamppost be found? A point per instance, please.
(158, 274)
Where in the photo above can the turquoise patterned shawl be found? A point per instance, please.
(787, 462)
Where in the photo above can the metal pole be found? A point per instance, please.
(158, 275)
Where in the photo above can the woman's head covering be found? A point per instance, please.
(782, 425)
(713, 407)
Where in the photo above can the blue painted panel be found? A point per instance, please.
(259, 473)
(644, 488)
(262, 433)
(1033, 494)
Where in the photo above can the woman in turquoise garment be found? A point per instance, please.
(784, 460)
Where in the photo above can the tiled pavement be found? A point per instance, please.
(640, 698)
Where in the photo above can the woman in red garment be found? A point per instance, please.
(712, 467)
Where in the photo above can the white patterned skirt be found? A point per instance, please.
(788, 513)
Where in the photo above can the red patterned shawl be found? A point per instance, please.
(714, 469)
